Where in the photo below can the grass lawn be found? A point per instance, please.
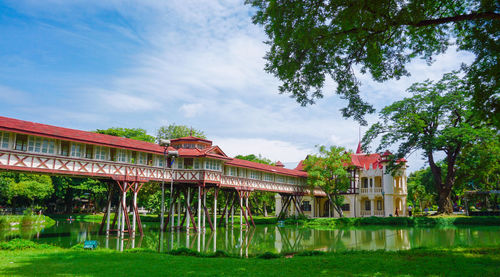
(419, 262)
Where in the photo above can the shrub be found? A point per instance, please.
(311, 253)
(20, 244)
(268, 255)
(183, 251)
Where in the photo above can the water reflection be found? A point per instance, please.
(263, 238)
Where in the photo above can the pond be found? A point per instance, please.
(265, 238)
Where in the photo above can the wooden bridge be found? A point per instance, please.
(127, 164)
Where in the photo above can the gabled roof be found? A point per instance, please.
(191, 138)
(365, 160)
(38, 129)
(266, 167)
(300, 166)
(359, 150)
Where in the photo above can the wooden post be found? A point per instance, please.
(199, 207)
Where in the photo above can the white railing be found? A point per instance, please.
(377, 189)
(365, 213)
(364, 190)
(378, 213)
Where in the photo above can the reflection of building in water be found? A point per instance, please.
(294, 240)
(373, 192)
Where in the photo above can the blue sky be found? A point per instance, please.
(90, 64)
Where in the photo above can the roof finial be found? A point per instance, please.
(359, 150)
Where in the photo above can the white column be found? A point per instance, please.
(108, 216)
(246, 208)
(119, 220)
(199, 211)
(123, 209)
(215, 210)
(232, 216)
(241, 211)
(133, 215)
(204, 214)
(188, 217)
(179, 211)
(372, 206)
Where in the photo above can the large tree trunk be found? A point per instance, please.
(445, 205)
(265, 210)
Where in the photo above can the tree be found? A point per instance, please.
(174, 131)
(329, 171)
(26, 188)
(310, 40)
(260, 198)
(438, 118)
(131, 133)
(255, 158)
(421, 189)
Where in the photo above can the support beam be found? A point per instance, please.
(199, 207)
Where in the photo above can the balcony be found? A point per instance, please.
(372, 190)
(365, 213)
(378, 213)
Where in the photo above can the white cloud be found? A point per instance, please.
(191, 110)
(275, 150)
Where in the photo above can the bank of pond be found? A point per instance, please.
(292, 236)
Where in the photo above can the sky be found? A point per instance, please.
(95, 64)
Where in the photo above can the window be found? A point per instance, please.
(346, 207)
(242, 172)
(379, 205)
(89, 152)
(291, 180)
(142, 158)
(4, 140)
(188, 163)
(371, 182)
(41, 145)
(280, 179)
(268, 177)
(101, 153)
(365, 183)
(159, 161)
(196, 164)
(21, 142)
(179, 162)
(212, 165)
(77, 150)
(306, 206)
(367, 205)
(122, 156)
(65, 148)
(254, 175)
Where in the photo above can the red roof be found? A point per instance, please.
(266, 167)
(300, 166)
(365, 160)
(279, 164)
(191, 138)
(359, 150)
(38, 129)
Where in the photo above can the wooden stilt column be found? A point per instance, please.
(216, 194)
(136, 217)
(199, 208)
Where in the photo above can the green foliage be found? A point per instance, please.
(263, 202)
(329, 171)
(255, 158)
(312, 40)
(311, 253)
(174, 131)
(437, 118)
(21, 244)
(131, 133)
(24, 188)
(333, 223)
(268, 256)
